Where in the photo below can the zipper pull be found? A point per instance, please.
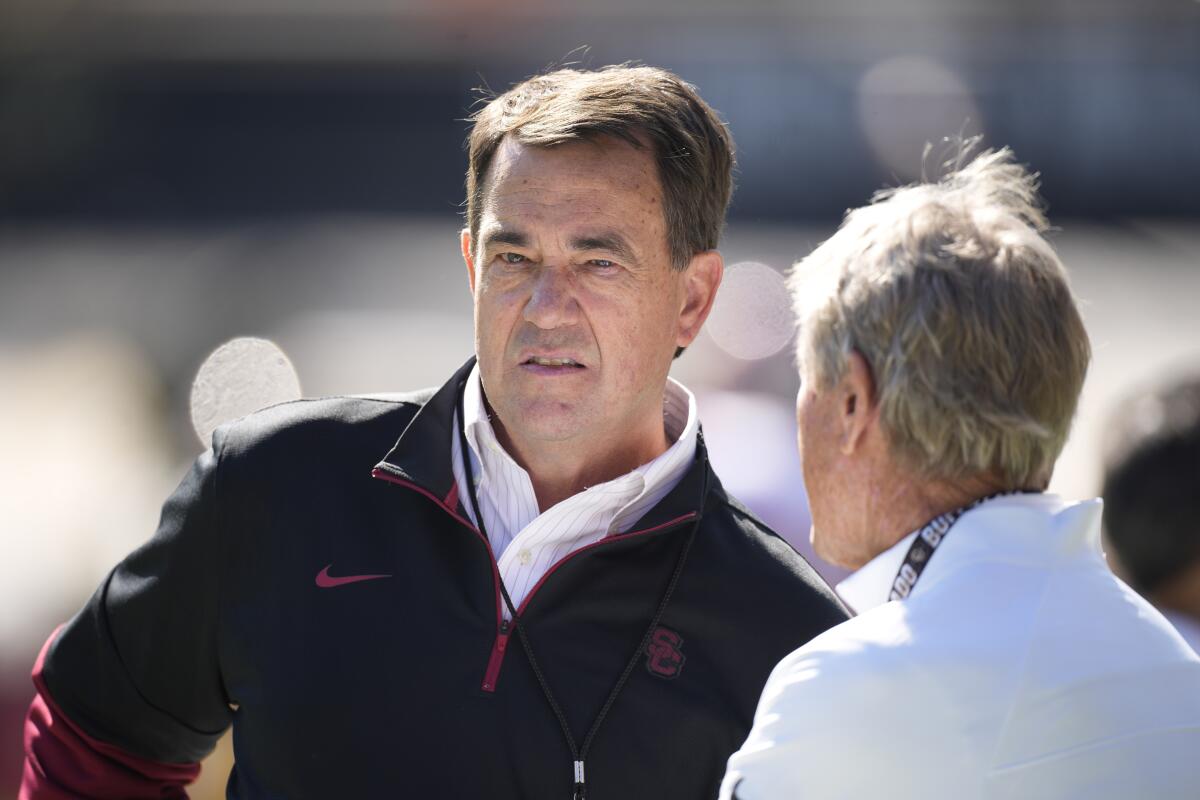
(580, 792)
(502, 637)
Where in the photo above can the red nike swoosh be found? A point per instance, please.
(326, 581)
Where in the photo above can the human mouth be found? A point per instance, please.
(552, 365)
(553, 362)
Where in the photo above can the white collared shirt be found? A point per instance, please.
(871, 584)
(1019, 668)
(1188, 627)
(527, 542)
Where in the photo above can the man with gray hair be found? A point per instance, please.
(994, 655)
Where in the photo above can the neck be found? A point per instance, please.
(561, 469)
(901, 505)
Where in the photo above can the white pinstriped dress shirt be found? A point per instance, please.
(527, 543)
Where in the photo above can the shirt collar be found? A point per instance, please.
(869, 585)
(486, 450)
(1027, 527)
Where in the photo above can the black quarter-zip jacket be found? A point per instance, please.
(343, 613)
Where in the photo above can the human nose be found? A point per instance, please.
(552, 301)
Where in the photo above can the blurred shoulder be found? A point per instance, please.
(331, 424)
(748, 547)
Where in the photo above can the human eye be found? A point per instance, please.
(602, 265)
(512, 258)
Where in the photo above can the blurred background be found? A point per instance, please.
(178, 173)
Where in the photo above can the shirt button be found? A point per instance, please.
(524, 557)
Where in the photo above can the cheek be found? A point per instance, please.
(804, 422)
(813, 457)
(644, 320)
(495, 308)
(615, 320)
(808, 471)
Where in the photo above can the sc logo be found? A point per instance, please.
(664, 658)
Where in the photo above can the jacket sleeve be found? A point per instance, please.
(132, 684)
(63, 762)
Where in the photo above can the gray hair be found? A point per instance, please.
(964, 314)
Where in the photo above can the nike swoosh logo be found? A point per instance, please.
(327, 581)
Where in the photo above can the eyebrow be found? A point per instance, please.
(507, 236)
(609, 241)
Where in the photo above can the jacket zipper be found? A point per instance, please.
(496, 660)
(503, 626)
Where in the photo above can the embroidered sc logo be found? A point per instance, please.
(664, 658)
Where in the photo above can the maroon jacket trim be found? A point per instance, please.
(491, 673)
(451, 500)
(62, 761)
(496, 660)
(384, 475)
(606, 540)
(500, 644)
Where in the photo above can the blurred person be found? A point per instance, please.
(995, 655)
(343, 580)
(1152, 500)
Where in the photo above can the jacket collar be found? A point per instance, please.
(1034, 529)
(423, 452)
(689, 497)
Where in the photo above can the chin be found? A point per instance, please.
(549, 421)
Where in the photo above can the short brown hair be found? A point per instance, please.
(964, 313)
(637, 104)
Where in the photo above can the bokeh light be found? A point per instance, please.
(752, 316)
(238, 378)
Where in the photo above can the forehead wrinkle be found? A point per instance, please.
(588, 161)
(563, 191)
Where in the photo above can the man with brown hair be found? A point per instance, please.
(354, 618)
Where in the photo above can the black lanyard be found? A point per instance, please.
(578, 754)
(927, 541)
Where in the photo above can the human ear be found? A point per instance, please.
(464, 241)
(858, 406)
(701, 278)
